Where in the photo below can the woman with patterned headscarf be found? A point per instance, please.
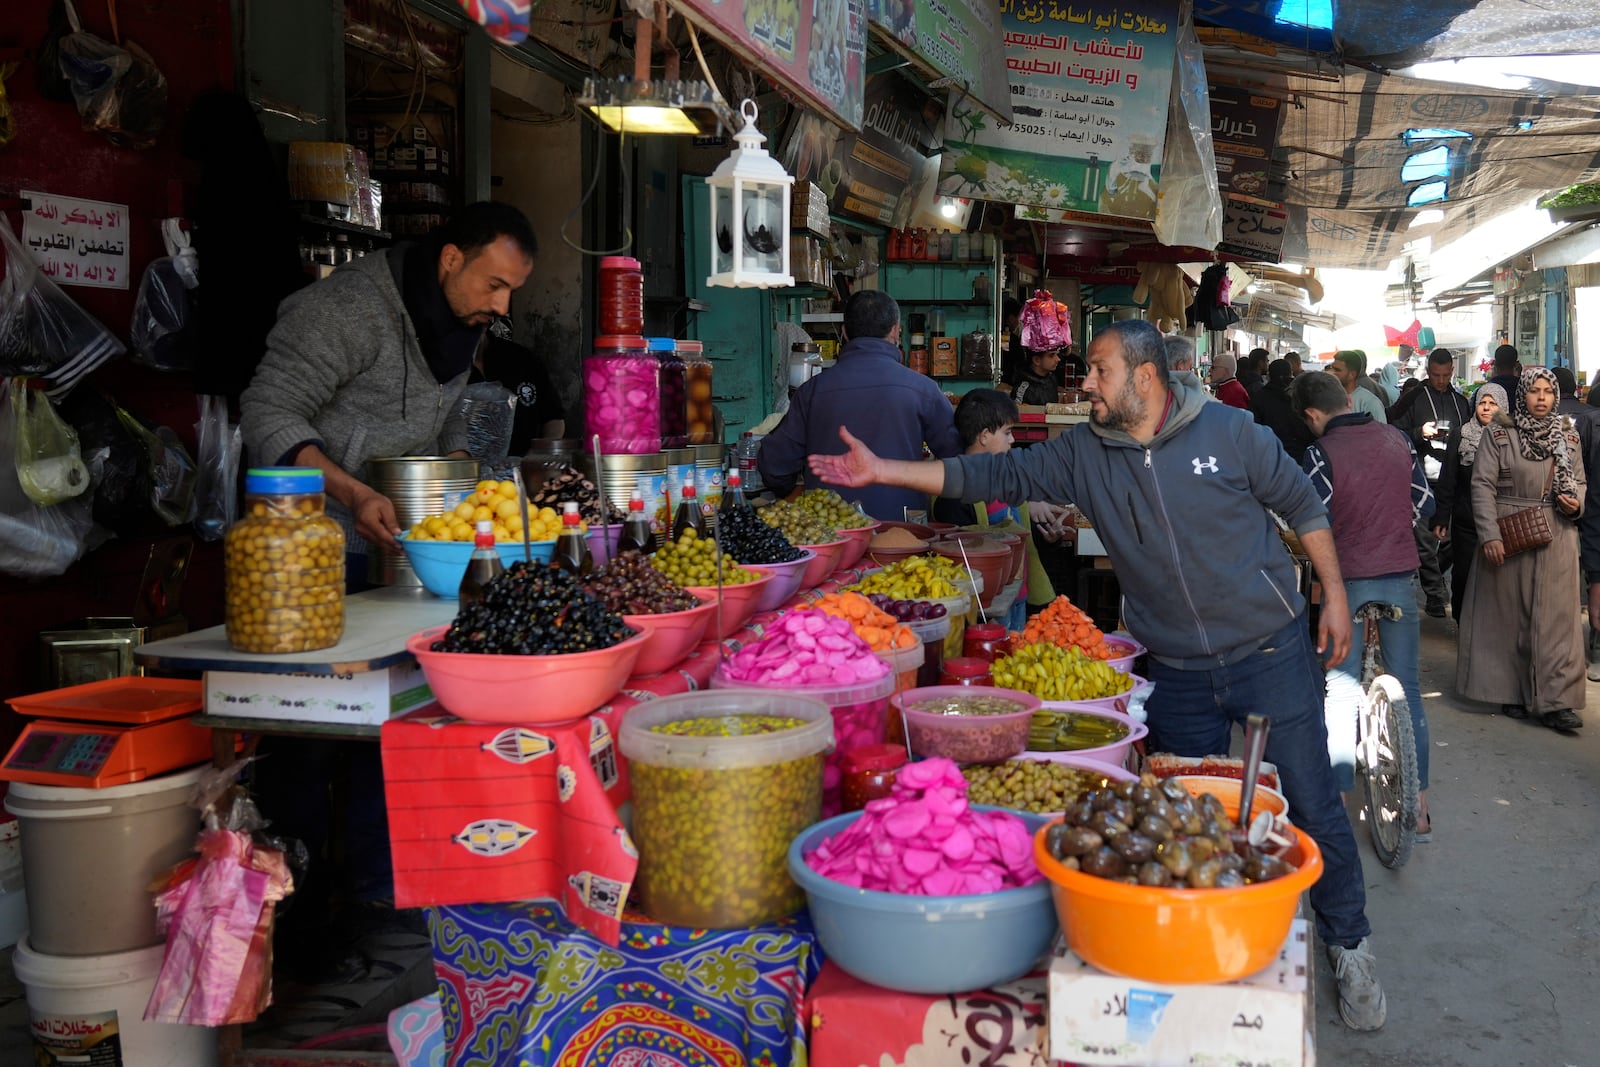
(1452, 500)
(1521, 644)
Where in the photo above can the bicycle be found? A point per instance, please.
(1386, 747)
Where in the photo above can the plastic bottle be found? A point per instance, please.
(484, 566)
(733, 494)
(688, 515)
(572, 549)
(636, 533)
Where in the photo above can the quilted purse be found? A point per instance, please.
(1527, 528)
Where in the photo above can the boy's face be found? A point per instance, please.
(992, 442)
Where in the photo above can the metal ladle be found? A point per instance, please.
(1256, 728)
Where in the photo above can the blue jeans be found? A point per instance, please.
(1192, 713)
(1402, 646)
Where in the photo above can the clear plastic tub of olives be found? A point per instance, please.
(723, 781)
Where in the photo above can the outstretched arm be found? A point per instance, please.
(860, 466)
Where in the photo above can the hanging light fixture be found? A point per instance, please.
(750, 214)
(669, 104)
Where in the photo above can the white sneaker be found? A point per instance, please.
(1361, 1002)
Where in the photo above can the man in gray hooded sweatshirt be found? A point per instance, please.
(1157, 470)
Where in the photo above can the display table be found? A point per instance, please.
(519, 984)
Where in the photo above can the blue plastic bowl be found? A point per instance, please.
(442, 564)
(925, 944)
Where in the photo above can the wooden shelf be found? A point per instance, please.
(341, 226)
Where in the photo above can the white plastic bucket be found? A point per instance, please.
(89, 854)
(90, 1009)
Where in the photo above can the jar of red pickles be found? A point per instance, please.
(620, 310)
(674, 393)
(697, 374)
(966, 670)
(986, 641)
(869, 773)
(622, 396)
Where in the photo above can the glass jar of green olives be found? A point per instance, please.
(284, 565)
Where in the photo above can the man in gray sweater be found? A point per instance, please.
(371, 360)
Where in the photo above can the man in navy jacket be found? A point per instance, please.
(895, 409)
(1157, 470)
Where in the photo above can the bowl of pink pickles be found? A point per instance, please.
(819, 655)
(923, 892)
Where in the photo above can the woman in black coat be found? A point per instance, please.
(1452, 510)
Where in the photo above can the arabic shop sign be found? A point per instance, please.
(816, 50)
(1244, 131)
(957, 39)
(77, 242)
(1252, 229)
(1089, 88)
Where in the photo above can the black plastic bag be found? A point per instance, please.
(52, 83)
(120, 91)
(117, 464)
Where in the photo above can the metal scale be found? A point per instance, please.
(106, 733)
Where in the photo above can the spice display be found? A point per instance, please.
(1053, 730)
(725, 831)
(628, 585)
(571, 485)
(695, 560)
(1064, 623)
(1154, 833)
(493, 502)
(925, 839)
(895, 537)
(1051, 672)
(1030, 785)
(749, 540)
(534, 610)
(284, 566)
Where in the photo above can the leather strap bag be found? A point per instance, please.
(1528, 528)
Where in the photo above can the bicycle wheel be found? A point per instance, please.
(1387, 751)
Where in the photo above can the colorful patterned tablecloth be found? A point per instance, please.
(521, 985)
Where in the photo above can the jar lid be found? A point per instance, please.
(662, 344)
(986, 631)
(618, 263)
(691, 347)
(874, 758)
(966, 667)
(271, 480)
(619, 340)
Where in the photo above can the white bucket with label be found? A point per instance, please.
(90, 1010)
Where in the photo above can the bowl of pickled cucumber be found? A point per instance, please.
(723, 781)
(968, 724)
(1064, 729)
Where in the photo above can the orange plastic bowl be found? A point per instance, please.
(1177, 935)
(672, 635)
(855, 544)
(738, 602)
(824, 561)
(1227, 790)
(525, 689)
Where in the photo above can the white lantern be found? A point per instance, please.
(750, 214)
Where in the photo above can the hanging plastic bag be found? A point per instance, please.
(217, 445)
(1189, 204)
(49, 466)
(488, 409)
(172, 472)
(163, 313)
(120, 91)
(1045, 323)
(43, 333)
(36, 541)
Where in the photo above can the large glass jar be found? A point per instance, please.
(620, 309)
(284, 565)
(622, 396)
(697, 373)
(674, 393)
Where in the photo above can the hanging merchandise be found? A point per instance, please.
(1211, 301)
(8, 125)
(1164, 286)
(120, 91)
(217, 444)
(750, 214)
(49, 465)
(1188, 204)
(1046, 324)
(35, 541)
(163, 313)
(172, 472)
(43, 333)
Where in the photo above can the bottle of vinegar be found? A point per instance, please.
(484, 566)
(636, 533)
(688, 515)
(572, 549)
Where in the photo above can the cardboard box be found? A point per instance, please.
(1266, 1018)
(365, 698)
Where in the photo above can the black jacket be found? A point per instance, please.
(1272, 409)
(1424, 405)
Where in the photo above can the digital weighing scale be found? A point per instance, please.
(106, 733)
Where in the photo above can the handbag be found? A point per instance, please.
(1527, 528)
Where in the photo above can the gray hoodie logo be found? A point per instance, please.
(1209, 465)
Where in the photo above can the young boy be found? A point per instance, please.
(984, 419)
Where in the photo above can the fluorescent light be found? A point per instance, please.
(644, 118)
(629, 106)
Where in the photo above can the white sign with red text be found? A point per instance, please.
(77, 242)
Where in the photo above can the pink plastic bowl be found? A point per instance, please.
(525, 689)
(1127, 650)
(1114, 754)
(855, 544)
(738, 601)
(786, 578)
(672, 635)
(825, 561)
